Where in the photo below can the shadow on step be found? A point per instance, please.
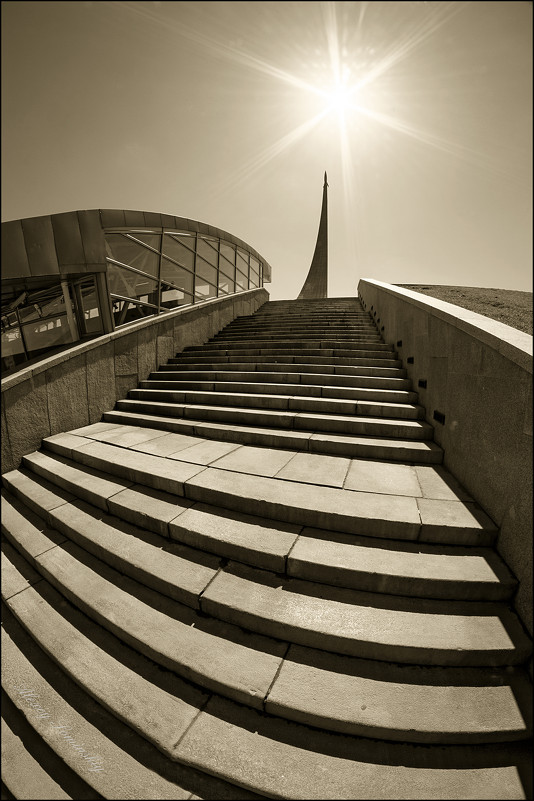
(125, 738)
(45, 756)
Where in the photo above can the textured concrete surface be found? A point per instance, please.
(469, 363)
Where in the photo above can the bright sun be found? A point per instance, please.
(339, 99)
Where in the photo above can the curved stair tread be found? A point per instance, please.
(355, 508)
(313, 687)
(417, 451)
(78, 740)
(317, 380)
(280, 759)
(124, 764)
(319, 556)
(216, 655)
(262, 408)
(29, 765)
(354, 623)
(271, 383)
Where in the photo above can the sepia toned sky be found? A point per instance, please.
(230, 112)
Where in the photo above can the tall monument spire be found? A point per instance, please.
(316, 283)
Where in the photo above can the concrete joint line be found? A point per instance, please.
(277, 673)
(29, 587)
(212, 579)
(187, 729)
(288, 554)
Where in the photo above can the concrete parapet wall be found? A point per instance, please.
(75, 387)
(474, 378)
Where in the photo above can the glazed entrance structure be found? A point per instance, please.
(70, 277)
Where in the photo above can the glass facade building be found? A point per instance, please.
(152, 271)
(70, 277)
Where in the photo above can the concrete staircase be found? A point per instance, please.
(254, 578)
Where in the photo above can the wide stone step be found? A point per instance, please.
(259, 411)
(290, 373)
(341, 445)
(278, 383)
(114, 758)
(398, 568)
(267, 396)
(30, 768)
(361, 508)
(311, 687)
(300, 363)
(286, 336)
(323, 331)
(338, 345)
(346, 622)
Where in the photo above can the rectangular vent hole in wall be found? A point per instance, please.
(439, 417)
(422, 383)
(399, 343)
(410, 359)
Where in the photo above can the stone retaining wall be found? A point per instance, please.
(75, 387)
(474, 378)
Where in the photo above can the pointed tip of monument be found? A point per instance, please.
(325, 179)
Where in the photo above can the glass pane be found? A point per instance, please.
(176, 275)
(43, 304)
(208, 250)
(47, 334)
(154, 240)
(242, 261)
(254, 266)
(225, 285)
(11, 341)
(227, 268)
(228, 251)
(130, 284)
(205, 271)
(171, 298)
(126, 312)
(123, 249)
(241, 280)
(254, 281)
(178, 251)
(204, 290)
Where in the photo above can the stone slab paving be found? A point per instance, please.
(139, 554)
(254, 540)
(399, 568)
(149, 508)
(278, 758)
(256, 461)
(358, 513)
(77, 736)
(213, 653)
(400, 702)
(356, 623)
(442, 519)
(315, 468)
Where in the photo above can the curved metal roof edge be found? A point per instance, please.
(162, 222)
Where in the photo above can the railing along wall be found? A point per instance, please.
(474, 379)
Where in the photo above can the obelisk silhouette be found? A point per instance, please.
(316, 283)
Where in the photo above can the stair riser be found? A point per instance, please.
(292, 373)
(273, 438)
(298, 363)
(272, 385)
(387, 384)
(279, 412)
(300, 345)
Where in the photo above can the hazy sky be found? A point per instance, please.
(228, 112)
